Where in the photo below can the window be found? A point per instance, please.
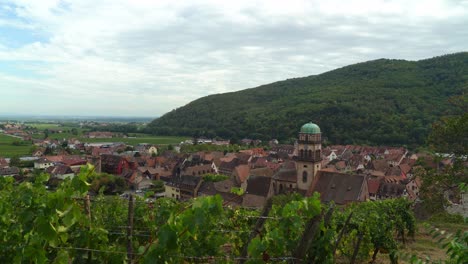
(302, 153)
(310, 153)
(304, 176)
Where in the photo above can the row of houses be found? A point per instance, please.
(341, 173)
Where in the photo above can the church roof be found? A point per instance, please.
(310, 128)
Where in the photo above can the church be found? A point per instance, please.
(304, 175)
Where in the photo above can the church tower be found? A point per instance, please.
(309, 155)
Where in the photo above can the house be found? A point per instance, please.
(227, 167)
(43, 163)
(391, 188)
(38, 153)
(259, 190)
(183, 187)
(340, 188)
(204, 141)
(198, 170)
(99, 135)
(373, 185)
(247, 141)
(145, 148)
(114, 164)
(223, 189)
(240, 174)
(171, 191)
(3, 163)
(144, 183)
(152, 150)
(258, 162)
(60, 171)
(267, 172)
(221, 142)
(9, 171)
(150, 172)
(288, 150)
(256, 152)
(412, 188)
(285, 180)
(329, 154)
(74, 161)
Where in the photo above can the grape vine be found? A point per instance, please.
(66, 226)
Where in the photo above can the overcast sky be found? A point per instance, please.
(145, 58)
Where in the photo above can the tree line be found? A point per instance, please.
(382, 102)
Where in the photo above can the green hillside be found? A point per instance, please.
(377, 102)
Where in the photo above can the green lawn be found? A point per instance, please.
(8, 150)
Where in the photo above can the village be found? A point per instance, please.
(340, 173)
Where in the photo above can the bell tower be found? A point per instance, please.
(309, 155)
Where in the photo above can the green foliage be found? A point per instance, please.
(435, 184)
(450, 134)
(110, 184)
(445, 218)
(456, 245)
(40, 226)
(383, 102)
(15, 161)
(380, 223)
(36, 224)
(158, 186)
(237, 191)
(210, 177)
(288, 229)
(210, 147)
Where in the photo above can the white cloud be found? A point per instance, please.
(145, 57)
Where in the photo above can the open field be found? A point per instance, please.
(4, 139)
(157, 140)
(42, 126)
(8, 150)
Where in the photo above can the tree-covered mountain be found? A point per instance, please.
(383, 101)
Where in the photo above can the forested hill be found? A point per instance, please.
(389, 102)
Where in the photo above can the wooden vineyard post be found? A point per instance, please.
(130, 229)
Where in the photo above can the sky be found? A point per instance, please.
(145, 58)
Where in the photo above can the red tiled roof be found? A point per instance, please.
(242, 172)
(341, 188)
(373, 185)
(405, 168)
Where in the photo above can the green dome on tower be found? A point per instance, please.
(310, 128)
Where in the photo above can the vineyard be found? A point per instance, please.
(69, 226)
